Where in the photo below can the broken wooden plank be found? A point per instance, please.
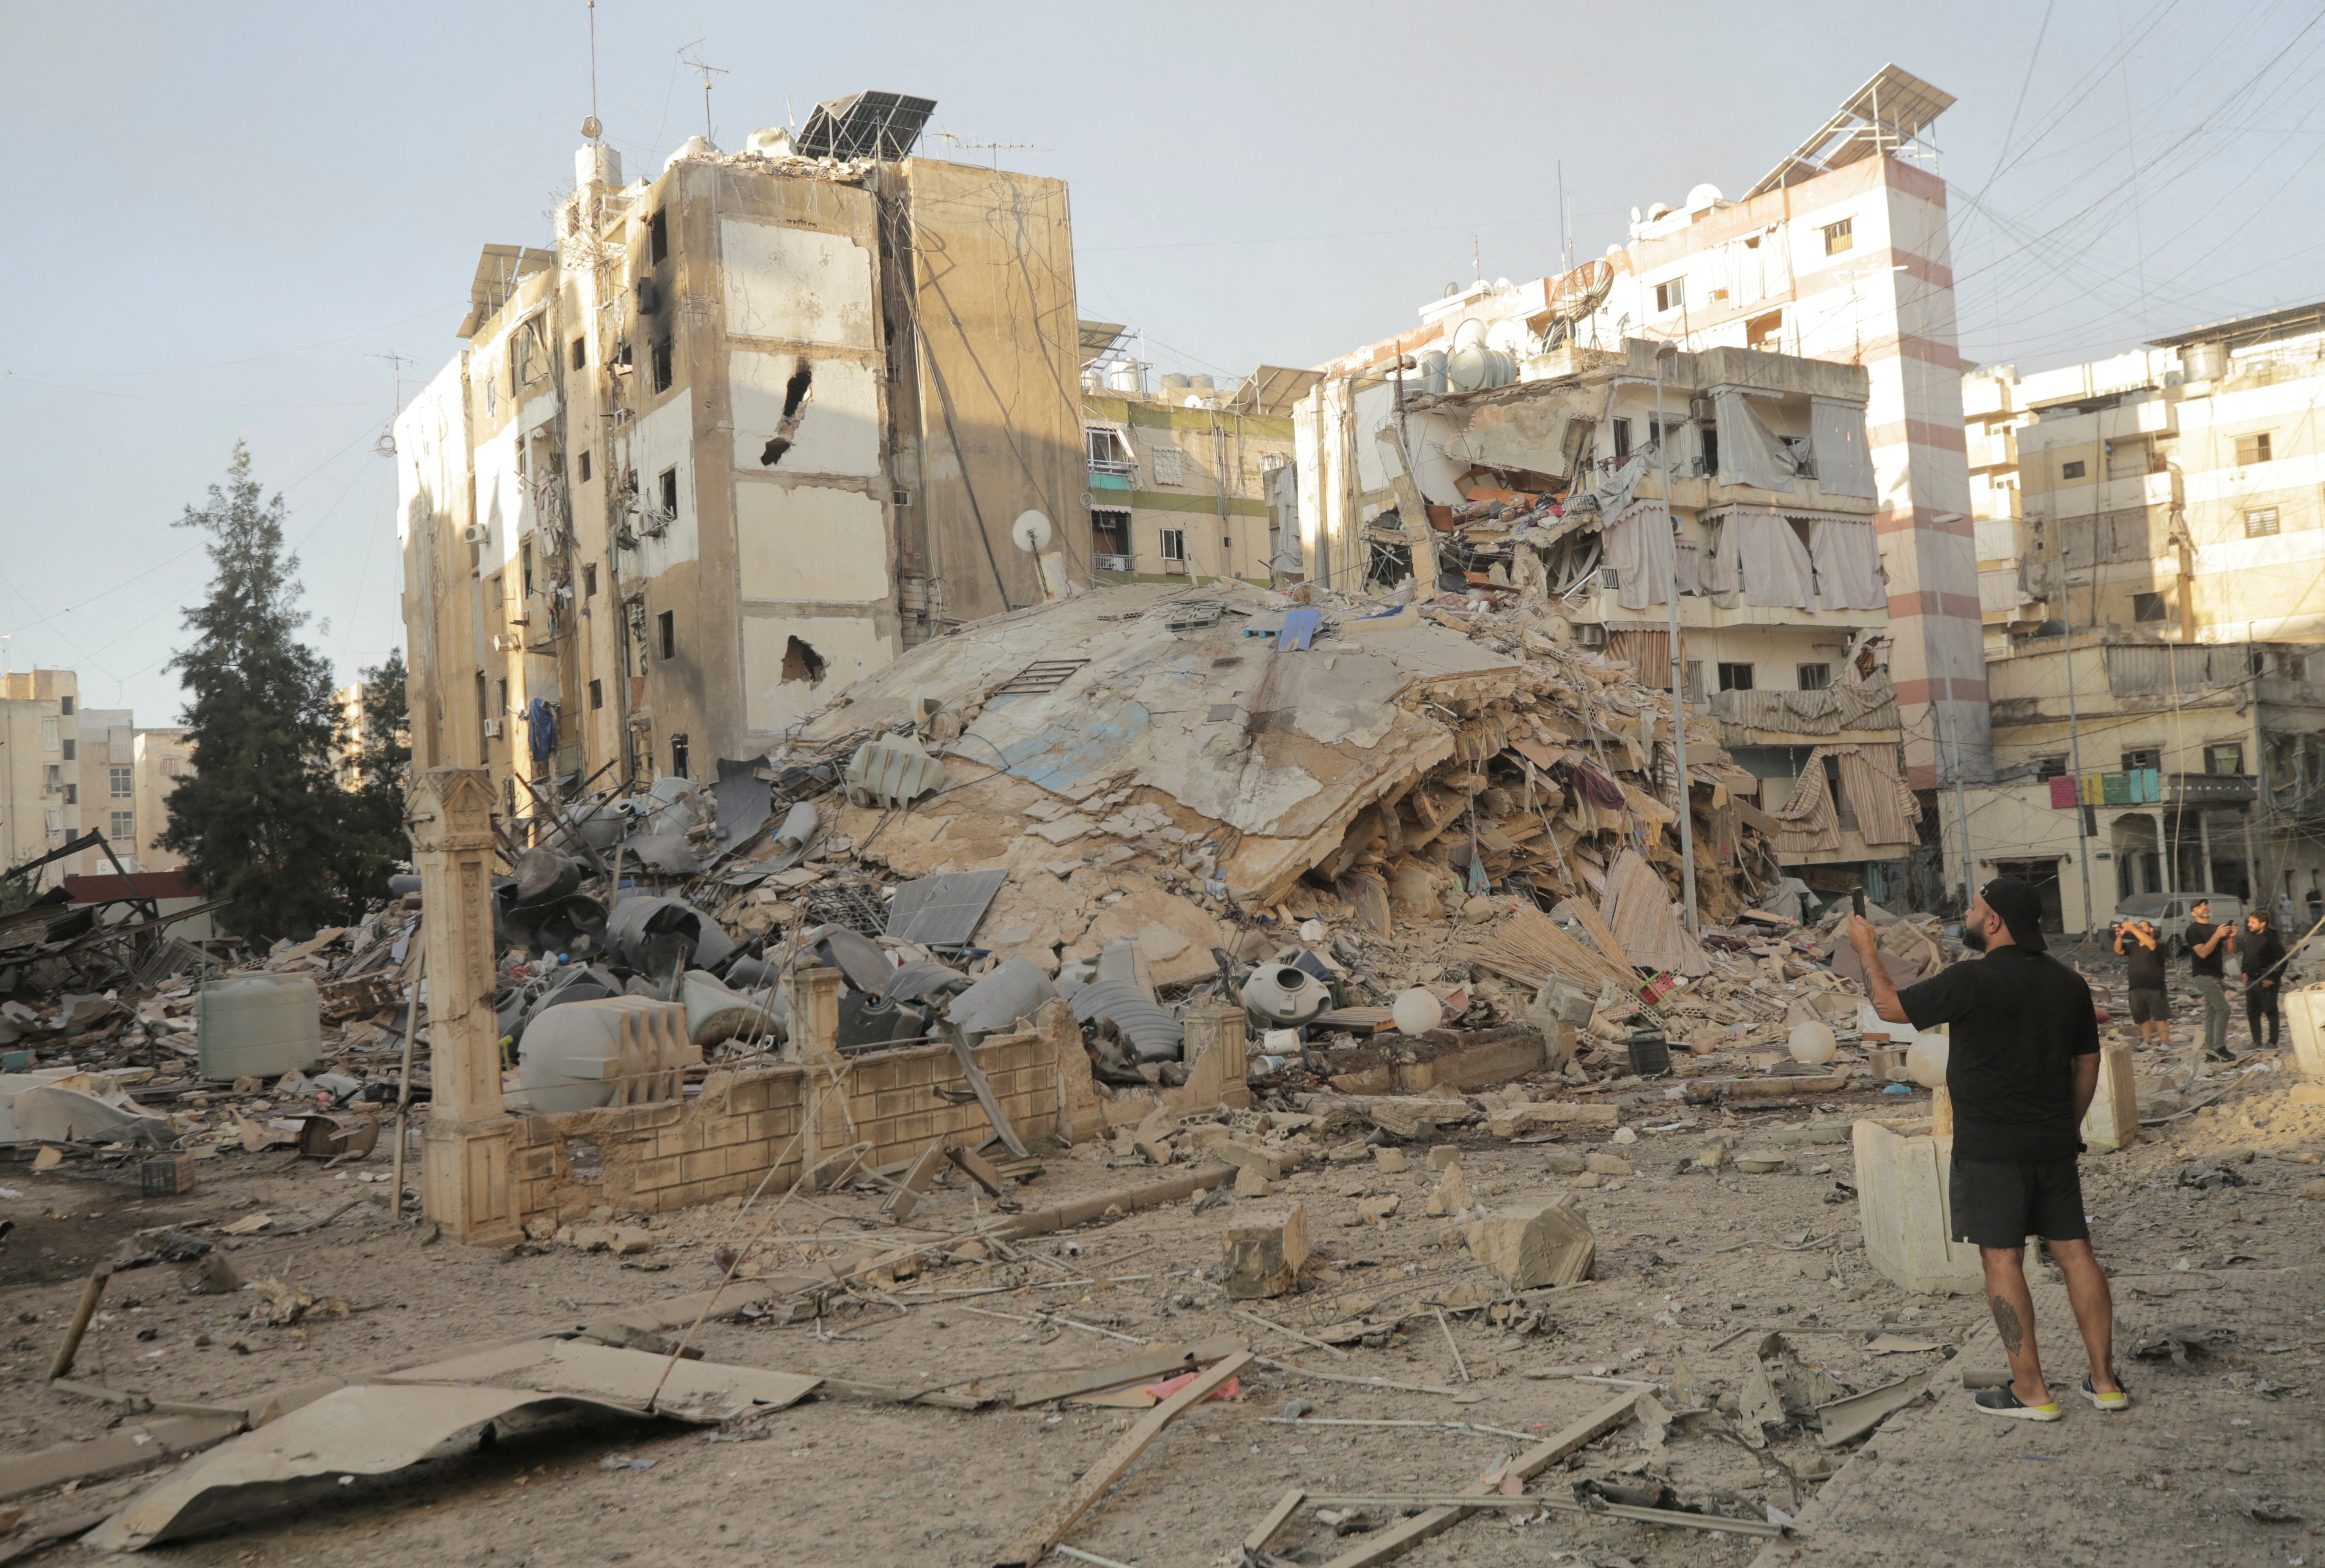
(986, 1098)
(1109, 1466)
(1152, 1366)
(1703, 1090)
(1521, 1504)
(907, 1195)
(1273, 1523)
(973, 1167)
(1396, 1541)
(879, 1394)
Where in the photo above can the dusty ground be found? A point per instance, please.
(1693, 1268)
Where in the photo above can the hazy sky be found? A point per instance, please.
(226, 214)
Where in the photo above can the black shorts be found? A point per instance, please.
(2002, 1205)
(2150, 1007)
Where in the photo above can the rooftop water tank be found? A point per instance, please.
(258, 1027)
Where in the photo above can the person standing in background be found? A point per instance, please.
(2264, 980)
(2209, 946)
(2143, 952)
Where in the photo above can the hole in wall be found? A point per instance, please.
(795, 397)
(801, 663)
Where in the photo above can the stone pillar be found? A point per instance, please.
(1079, 1115)
(1217, 1056)
(813, 999)
(466, 1186)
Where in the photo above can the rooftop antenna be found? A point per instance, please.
(385, 445)
(708, 70)
(1477, 267)
(958, 142)
(592, 128)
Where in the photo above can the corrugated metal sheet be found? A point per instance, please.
(2160, 670)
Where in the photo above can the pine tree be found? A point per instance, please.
(261, 820)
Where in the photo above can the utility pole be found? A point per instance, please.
(1953, 743)
(2075, 762)
(1677, 693)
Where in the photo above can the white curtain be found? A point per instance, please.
(1847, 565)
(1748, 453)
(1837, 432)
(1639, 548)
(1723, 578)
(1775, 565)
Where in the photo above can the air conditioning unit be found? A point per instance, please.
(477, 534)
(493, 728)
(1610, 578)
(1591, 634)
(507, 642)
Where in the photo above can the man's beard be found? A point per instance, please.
(1974, 937)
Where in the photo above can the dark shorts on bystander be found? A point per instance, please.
(1998, 1205)
(2150, 1007)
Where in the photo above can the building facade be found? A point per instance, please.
(751, 429)
(66, 768)
(1178, 479)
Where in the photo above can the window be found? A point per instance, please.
(666, 624)
(2142, 759)
(1622, 438)
(52, 779)
(1840, 237)
(596, 695)
(1813, 677)
(72, 748)
(657, 238)
(124, 826)
(2226, 758)
(1736, 677)
(661, 367)
(585, 468)
(122, 782)
(1174, 544)
(677, 754)
(670, 492)
(2147, 607)
(589, 580)
(65, 706)
(524, 566)
(1707, 449)
(2260, 522)
(169, 767)
(1671, 294)
(580, 353)
(2070, 470)
(2050, 767)
(500, 697)
(2252, 449)
(72, 794)
(1107, 455)
(1110, 539)
(1764, 331)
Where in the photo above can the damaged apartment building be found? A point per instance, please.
(1760, 513)
(743, 433)
(1839, 254)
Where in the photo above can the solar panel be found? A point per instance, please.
(944, 911)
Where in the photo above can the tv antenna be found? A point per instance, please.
(593, 128)
(708, 70)
(385, 445)
(958, 142)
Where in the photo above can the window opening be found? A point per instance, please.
(1814, 677)
(1840, 237)
(666, 628)
(1736, 677)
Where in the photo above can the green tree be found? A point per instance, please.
(261, 820)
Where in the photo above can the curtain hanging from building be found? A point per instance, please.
(1637, 907)
(1806, 823)
(1837, 435)
(1847, 565)
(1639, 548)
(1886, 809)
(1647, 652)
(1774, 564)
(1723, 575)
(1749, 453)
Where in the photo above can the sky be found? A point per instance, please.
(229, 218)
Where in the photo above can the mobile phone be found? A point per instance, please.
(1857, 902)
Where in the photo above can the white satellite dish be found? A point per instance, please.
(1031, 533)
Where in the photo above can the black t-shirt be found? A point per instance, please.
(2199, 933)
(2019, 1021)
(2262, 954)
(2144, 964)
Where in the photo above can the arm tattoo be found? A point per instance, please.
(2005, 1319)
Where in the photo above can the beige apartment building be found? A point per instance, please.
(746, 430)
(66, 768)
(2152, 524)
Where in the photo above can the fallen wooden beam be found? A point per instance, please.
(1679, 1516)
(1152, 1367)
(1110, 1466)
(907, 1195)
(1396, 1541)
(1703, 1090)
(973, 1167)
(1271, 1525)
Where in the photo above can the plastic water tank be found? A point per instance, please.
(258, 1027)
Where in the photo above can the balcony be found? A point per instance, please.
(1114, 563)
(2210, 789)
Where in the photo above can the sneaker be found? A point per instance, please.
(2003, 1402)
(2118, 1400)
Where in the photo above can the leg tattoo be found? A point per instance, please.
(2014, 1333)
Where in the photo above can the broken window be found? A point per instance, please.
(1736, 677)
(2225, 758)
(1813, 677)
(657, 238)
(123, 783)
(2050, 767)
(796, 387)
(1764, 331)
(666, 629)
(670, 492)
(2147, 607)
(585, 468)
(801, 663)
(2252, 449)
(2260, 522)
(2140, 759)
(72, 794)
(589, 580)
(2070, 470)
(1622, 438)
(677, 754)
(596, 695)
(580, 353)
(1671, 294)
(1840, 237)
(661, 364)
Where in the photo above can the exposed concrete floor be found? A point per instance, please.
(839, 1481)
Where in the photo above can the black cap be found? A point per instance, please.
(2021, 908)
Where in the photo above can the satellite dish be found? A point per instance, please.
(591, 128)
(1031, 533)
(1579, 292)
(1509, 337)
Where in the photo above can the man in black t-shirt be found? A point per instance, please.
(2021, 1069)
(2143, 952)
(2209, 946)
(2264, 976)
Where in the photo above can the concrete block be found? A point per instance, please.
(1443, 1155)
(1518, 1121)
(2304, 1029)
(1902, 1207)
(1391, 1162)
(1265, 1250)
(1607, 1165)
(1250, 1183)
(1451, 1194)
(1561, 1162)
(1246, 1157)
(1532, 1245)
(2112, 1120)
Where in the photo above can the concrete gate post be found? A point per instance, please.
(465, 1183)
